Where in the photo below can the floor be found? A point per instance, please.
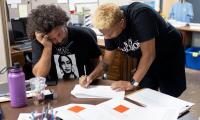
(192, 93)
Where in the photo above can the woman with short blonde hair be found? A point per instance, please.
(139, 31)
(107, 16)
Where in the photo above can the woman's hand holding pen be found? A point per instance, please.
(85, 81)
(43, 39)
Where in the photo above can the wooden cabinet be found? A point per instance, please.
(122, 66)
(18, 57)
(24, 58)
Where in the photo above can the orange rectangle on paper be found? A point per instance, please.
(76, 109)
(121, 108)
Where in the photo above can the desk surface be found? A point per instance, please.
(189, 28)
(15, 51)
(64, 97)
(192, 27)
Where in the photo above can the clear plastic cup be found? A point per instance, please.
(37, 84)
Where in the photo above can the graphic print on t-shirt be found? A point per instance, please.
(66, 66)
(129, 45)
(64, 50)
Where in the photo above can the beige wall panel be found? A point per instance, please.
(118, 2)
(35, 3)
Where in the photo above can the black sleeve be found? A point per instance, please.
(94, 51)
(37, 49)
(111, 44)
(145, 25)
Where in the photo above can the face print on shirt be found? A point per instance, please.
(66, 66)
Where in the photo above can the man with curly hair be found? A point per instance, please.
(53, 39)
(139, 31)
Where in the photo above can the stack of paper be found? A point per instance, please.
(158, 106)
(113, 109)
(124, 110)
(152, 98)
(97, 92)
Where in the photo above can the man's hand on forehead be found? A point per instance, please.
(46, 36)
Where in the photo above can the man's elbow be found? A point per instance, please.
(37, 73)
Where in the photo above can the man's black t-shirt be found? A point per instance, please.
(68, 59)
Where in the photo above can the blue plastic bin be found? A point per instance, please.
(193, 58)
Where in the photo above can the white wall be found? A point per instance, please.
(118, 2)
(4, 51)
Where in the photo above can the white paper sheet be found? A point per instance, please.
(135, 112)
(97, 92)
(113, 109)
(106, 111)
(152, 98)
(65, 112)
(25, 116)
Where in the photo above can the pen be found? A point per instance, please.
(135, 102)
(52, 115)
(43, 112)
(33, 116)
(85, 70)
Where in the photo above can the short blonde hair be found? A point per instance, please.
(106, 16)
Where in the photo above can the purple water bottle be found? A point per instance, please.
(16, 81)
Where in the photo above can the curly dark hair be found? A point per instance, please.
(45, 18)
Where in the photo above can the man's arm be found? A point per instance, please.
(148, 56)
(103, 65)
(95, 61)
(42, 67)
(99, 70)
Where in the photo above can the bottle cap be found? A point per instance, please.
(16, 65)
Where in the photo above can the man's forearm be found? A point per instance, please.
(42, 67)
(104, 65)
(143, 67)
